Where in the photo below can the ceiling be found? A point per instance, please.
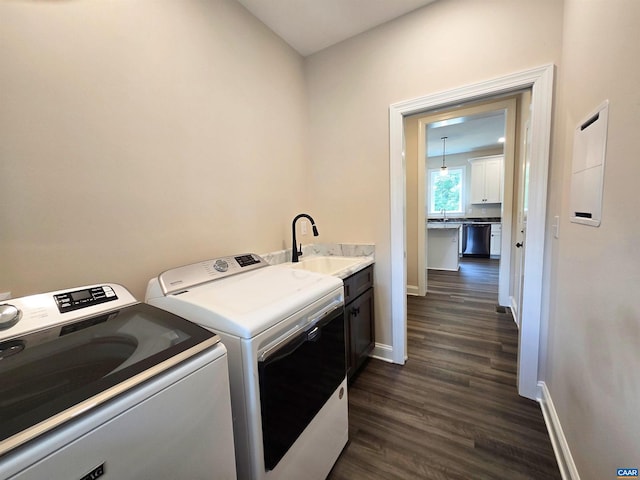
(466, 134)
(312, 25)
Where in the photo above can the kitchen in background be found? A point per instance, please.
(475, 204)
(463, 188)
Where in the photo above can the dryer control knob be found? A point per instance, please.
(9, 316)
(221, 265)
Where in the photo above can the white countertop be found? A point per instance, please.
(345, 266)
(362, 255)
(446, 225)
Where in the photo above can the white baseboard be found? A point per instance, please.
(382, 352)
(412, 290)
(566, 464)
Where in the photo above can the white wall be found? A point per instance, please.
(140, 135)
(593, 364)
(447, 44)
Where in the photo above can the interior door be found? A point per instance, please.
(520, 227)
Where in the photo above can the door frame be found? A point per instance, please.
(508, 105)
(540, 80)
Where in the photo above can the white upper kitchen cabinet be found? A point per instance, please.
(486, 179)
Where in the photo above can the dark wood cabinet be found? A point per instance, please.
(360, 325)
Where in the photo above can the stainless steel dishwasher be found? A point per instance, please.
(476, 240)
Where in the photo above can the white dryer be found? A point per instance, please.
(285, 333)
(94, 384)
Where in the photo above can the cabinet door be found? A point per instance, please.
(486, 179)
(361, 329)
(493, 181)
(477, 181)
(496, 238)
(358, 283)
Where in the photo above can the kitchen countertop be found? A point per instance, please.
(464, 221)
(444, 225)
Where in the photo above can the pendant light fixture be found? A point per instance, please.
(443, 168)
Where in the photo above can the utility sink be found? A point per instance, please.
(329, 265)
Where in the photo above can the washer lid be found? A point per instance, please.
(245, 305)
(50, 376)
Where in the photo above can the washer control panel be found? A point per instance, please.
(180, 279)
(73, 300)
(25, 315)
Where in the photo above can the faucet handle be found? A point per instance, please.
(300, 250)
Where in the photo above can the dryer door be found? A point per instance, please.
(296, 379)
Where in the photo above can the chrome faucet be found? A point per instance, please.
(295, 253)
(444, 215)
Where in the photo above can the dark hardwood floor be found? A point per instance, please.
(452, 411)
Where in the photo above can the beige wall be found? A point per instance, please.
(135, 136)
(139, 135)
(447, 44)
(594, 355)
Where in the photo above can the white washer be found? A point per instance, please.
(97, 385)
(285, 333)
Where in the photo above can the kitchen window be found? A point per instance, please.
(445, 192)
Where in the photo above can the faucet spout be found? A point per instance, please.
(295, 253)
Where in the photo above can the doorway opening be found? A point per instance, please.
(531, 336)
(460, 201)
